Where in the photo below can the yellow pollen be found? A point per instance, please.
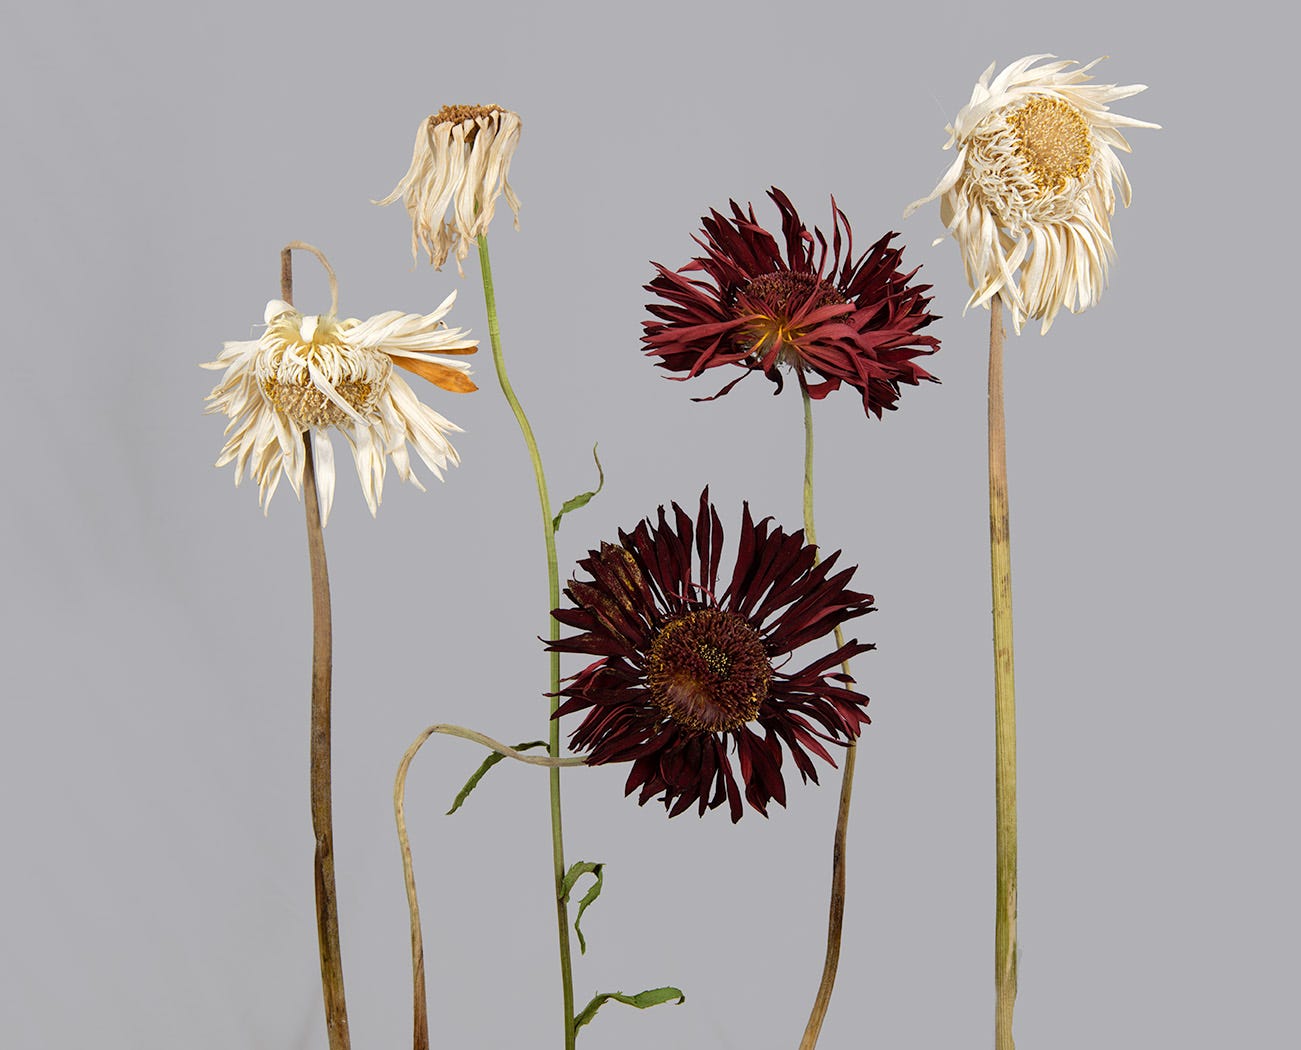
(1053, 140)
(460, 114)
(308, 407)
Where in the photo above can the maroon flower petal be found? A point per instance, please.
(685, 674)
(836, 319)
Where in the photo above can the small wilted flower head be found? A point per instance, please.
(1030, 194)
(687, 674)
(461, 160)
(316, 372)
(818, 311)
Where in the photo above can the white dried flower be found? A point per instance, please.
(461, 159)
(316, 372)
(1030, 195)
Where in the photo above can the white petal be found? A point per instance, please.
(323, 462)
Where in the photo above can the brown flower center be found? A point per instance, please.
(460, 114)
(1053, 141)
(302, 402)
(708, 671)
(780, 295)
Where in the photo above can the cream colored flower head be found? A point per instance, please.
(311, 373)
(461, 160)
(1030, 194)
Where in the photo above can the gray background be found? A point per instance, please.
(155, 879)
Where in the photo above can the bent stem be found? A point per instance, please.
(419, 996)
(553, 584)
(327, 902)
(836, 911)
(1000, 556)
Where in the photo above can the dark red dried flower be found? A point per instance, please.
(685, 674)
(850, 322)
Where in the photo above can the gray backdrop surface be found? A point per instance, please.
(155, 866)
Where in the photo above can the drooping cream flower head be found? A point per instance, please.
(461, 158)
(317, 372)
(1030, 194)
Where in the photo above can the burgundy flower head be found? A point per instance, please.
(686, 675)
(852, 322)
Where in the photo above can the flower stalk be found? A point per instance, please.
(553, 599)
(1000, 550)
(836, 909)
(420, 1001)
(327, 902)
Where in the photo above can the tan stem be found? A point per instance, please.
(327, 901)
(287, 273)
(1000, 549)
(419, 996)
(836, 908)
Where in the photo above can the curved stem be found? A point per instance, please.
(419, 995)
(287, 277)
(327, 901)
(836, 910)
(553, 597)
(1000, 554)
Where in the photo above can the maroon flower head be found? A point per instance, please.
(687, 675)
(852, 322)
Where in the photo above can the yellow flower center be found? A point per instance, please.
(1052, 138)
(708, 671)
(460, 114)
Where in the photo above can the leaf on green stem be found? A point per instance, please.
(584, 499)
(576, 872)
(488, 763)
(642, 1000)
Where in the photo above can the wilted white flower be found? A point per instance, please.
(1030, 194)
(316, 372)
(461, 158)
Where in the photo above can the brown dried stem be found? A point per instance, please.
(420, 1002)
(327, 903)
(836, 908)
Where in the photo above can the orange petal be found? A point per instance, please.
(440, 375)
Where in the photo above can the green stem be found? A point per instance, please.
(836, 911)
(553, 583)
(1000, 556)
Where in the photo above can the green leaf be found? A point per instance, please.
(488, 763)
(576, 872)
(584, 499)
(642, 1000)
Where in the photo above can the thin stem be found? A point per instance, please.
(419, 995)
(327, 901)
(553, 598)
(836, 911)
(1000, 551)
(287, 272)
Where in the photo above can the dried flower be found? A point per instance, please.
(684, 673)
(1030, 194)
(317, 372)
(852, 322)
(461, 158)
